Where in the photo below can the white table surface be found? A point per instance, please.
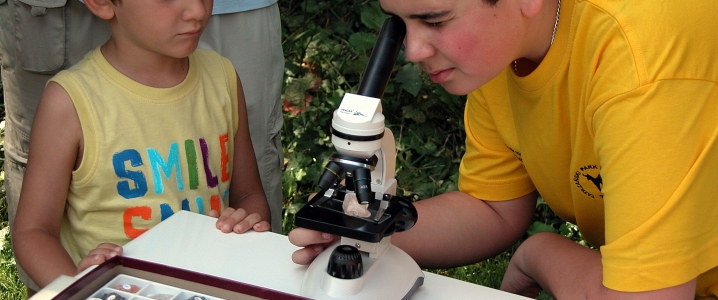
(191, 241)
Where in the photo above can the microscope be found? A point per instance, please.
(364, 210)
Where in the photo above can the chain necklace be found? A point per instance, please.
(553, 34)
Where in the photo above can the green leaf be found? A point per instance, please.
(537, 227)
(409, 76)
(362, 42)
(311, 6)
(372, 16)
(294, 207)
(427, 148)
(414, 113)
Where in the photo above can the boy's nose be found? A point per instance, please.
(416, 46)
(197, 9)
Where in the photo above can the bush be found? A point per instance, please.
(327, 45)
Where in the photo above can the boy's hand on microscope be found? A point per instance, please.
(99, 255)
(313, 243)
(239, 221)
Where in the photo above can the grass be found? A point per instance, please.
(10, 286)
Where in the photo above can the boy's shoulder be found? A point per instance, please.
(208, 57)
(201, 51)
(207, 54)
(87, 66)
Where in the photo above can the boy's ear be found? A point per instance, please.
(104, 9)
(531, 8)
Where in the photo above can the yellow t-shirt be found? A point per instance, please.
(148, 152)
(617, 128)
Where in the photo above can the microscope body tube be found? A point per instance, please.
(383, 56)
(358, 124)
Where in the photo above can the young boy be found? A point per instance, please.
(142, 127)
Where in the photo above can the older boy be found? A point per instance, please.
(606, 108)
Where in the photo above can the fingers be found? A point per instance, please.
(306, 255)
(230, 218)
(247, 223)
(239, 221)
(262, 226)
(99, 255)
(314, 242)
(303, 237)
(107, 249)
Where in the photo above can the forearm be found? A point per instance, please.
(456, 229)
(570, 271)
(561, 267)
(42, 256)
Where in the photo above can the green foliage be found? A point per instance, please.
(10, 285)
(327, 45)
(547, 221)
(487, 273)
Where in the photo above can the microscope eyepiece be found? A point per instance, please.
(383, 57)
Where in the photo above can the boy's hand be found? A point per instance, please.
(99, 255)
(313, 243)
(239, 221)
(517, 282)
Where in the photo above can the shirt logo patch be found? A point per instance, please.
(588, 181)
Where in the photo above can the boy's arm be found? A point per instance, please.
(54, 147)
(247, 202)
(464, 230)
(568, 270)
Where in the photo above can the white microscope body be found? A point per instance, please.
(364, 264)
(362, 116)
(389, 272)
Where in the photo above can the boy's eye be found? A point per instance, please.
(434, 24)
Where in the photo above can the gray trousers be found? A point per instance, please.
(252, 40)
(37, 42)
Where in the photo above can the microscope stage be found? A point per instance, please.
(326, 214)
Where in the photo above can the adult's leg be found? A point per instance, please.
(35, 44)
(252, 41)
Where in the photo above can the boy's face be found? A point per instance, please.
(168, 27)
(462, 44)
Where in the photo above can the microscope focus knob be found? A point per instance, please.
(345, 262)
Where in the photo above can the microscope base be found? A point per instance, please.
(393, 275)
